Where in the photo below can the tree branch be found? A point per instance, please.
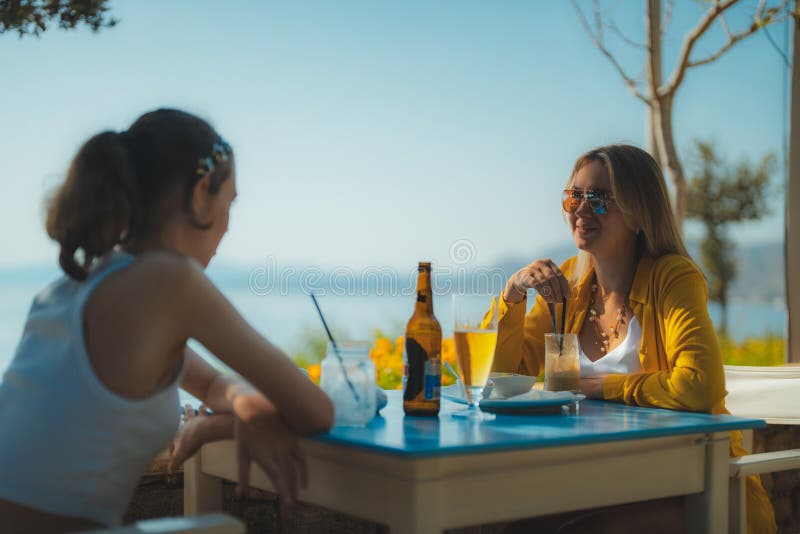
(598, 42)
(613, 27)
(732, 40)
(690, 41)
(762, 18)
(757, 24)
(724, 24)
(667, 17)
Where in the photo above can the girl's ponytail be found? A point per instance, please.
(124, 187)
(94, 209)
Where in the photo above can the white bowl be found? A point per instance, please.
(511, 384)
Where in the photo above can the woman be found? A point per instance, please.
(634, 297)
(91, 395)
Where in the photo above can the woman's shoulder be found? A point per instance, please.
(568, 265)
(672, 267)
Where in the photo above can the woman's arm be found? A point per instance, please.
(694, 379)
(520, 337)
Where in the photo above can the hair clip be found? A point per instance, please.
(220, 151)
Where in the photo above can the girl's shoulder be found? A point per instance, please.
(165, 264)
(161, 273)
(154, 283)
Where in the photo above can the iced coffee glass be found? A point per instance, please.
(562, 368)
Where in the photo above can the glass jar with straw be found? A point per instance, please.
(562, 369)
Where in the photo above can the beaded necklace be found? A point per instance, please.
(613, 331)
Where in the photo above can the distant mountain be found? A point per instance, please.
(760, 274)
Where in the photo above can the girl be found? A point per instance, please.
(91, 394)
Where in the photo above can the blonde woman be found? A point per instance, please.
(638, 304)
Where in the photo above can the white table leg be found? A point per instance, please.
(201, 493)
(419, 514)
(708, 511)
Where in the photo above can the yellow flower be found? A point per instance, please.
(388, 359)
(314, 372)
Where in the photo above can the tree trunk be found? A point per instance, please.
(654, 77)
(652, 135)
(723, 307)
(671, 161)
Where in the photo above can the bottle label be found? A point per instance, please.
(433, 379)
(414, 369)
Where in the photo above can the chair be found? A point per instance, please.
(203, 524)
(772, 394)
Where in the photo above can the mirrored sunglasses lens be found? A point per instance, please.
(598, 205)
(570, 204)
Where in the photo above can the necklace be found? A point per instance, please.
(606, 338)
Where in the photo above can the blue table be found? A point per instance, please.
(421, 475)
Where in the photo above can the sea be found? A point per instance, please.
(289, 319)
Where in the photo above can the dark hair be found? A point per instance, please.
(123, 186)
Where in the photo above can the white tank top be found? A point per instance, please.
(622, 359)
(68, 445)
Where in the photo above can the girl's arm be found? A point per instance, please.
(200, 311)
(216, 390)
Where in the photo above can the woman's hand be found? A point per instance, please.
(263, 437)
(542, 275)
(592, 387)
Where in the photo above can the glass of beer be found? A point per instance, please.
(562, 365)
(475, 337)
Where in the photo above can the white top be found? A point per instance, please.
(69, 445)
(622, 359)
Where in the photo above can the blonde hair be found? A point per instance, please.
(640, 193)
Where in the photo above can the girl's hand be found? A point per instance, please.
(542, 275)
(196, 431)
(264, 438)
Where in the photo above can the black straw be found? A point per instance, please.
(563, 322)
(552, 309)
(335, 348)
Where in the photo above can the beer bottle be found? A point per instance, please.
(422, 369)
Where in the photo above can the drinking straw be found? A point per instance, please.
(551, 307)
(563, 322)
(335, 348)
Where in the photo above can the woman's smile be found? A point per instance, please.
(585, 228)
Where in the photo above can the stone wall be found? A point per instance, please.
(783, 487)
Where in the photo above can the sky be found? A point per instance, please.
(374, 133)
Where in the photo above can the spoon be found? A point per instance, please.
(487, 389)
(451, 371)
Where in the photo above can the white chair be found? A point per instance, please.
(772, 394)
(202, 524)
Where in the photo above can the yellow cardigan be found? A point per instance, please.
(679, 352)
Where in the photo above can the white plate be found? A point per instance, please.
(533, 400)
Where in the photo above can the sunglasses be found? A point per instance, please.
(598, 200)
